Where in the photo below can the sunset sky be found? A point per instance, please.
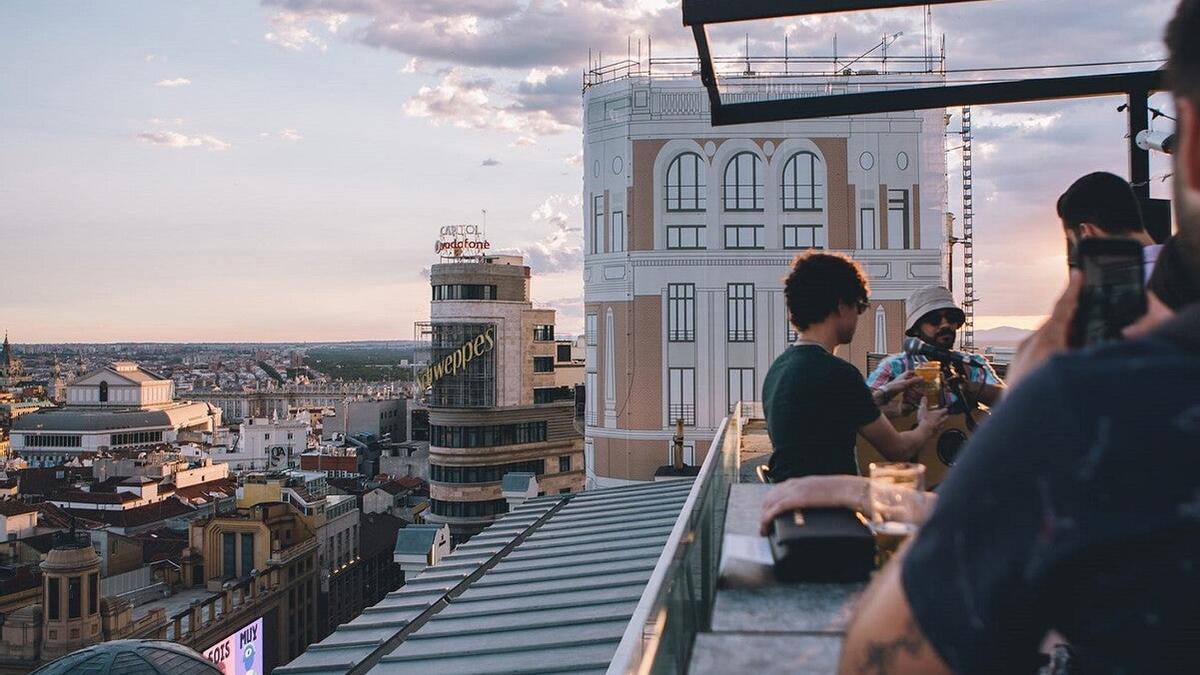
(269, 171)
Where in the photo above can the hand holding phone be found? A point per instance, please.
(1114, 290)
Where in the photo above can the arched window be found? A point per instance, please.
(685, 183)
(880, 330)
(803, 183)
(104, 391)
(743, 183)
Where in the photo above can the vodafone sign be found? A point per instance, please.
(456, 241)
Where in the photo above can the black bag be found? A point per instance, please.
(822, 545)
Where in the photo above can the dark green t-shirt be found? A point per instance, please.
(814, 403)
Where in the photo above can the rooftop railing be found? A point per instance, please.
(678, 599)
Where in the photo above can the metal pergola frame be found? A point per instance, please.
(698, 14)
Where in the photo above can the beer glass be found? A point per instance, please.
(896, 494)
(931, 375)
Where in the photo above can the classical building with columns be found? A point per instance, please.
(121, 406)
(690, 230)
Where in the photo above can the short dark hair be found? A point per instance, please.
(819, 283)
(1183, 51)
(1104, 200)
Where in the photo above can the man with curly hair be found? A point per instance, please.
(815, 403)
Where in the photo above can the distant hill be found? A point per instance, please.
(1001, 336)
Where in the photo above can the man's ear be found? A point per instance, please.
(1188, 139)
(1090, 231)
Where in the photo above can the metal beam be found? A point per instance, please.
(698, 12)
(1041, 89)
(1139, 159)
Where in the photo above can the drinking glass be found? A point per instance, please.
(896, 493)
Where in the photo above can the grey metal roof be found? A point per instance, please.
(516, 481)
(101, 419)
(549, 587)
(416, 539)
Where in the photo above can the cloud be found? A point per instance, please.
(469, 102)
(574, 159)
(560, 250)
(150, 57)
(290, 135)
(290, 29)
(173, 121)
(490, 162)
(523, 141)
(174, 82)
(172, 139)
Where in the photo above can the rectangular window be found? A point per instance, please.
(681, 312)
(898, 215)
(740, 312)
(93, 593)
(744, 236)
(74, 597)
(685, 236)
(228, 555)
(247, 553)
(590, 393)
(543, 364)
(563, 353)
(564, 491)
(681, 396)
(552, 394)
(564, 463)
(53, 600)
(589, 331)
(543, 333)
(616, 235)
(597, 239)
(800, 236)
(741, 386)
(867, 234)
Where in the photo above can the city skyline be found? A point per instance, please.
(279, 171)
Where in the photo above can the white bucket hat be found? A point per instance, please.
(926, 300)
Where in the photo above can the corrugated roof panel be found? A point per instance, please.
(573, 659)
(558, 601)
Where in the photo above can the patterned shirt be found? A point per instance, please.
(892, 367)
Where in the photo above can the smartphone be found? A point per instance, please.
(1114, 290)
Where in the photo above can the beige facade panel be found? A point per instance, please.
(628, 459)
(838, 193)
(511, 281)
(640, 203)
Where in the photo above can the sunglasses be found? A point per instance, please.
(935, 318)
(862, 306)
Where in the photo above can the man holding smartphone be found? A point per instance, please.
(1102, 205)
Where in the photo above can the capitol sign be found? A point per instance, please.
(456, 241)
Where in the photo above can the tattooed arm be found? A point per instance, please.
(883, 637)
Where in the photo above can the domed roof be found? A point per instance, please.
(131, 657)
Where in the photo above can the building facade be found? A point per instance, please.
(119, 407)
(495, 405)
(334, 521)
(690, 230)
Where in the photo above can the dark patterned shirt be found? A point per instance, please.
(1076, 507)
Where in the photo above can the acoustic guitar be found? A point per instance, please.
(938, 454)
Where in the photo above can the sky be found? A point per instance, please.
(278, 171)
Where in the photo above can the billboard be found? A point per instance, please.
(240, 653)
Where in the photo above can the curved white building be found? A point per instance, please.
(690, 230)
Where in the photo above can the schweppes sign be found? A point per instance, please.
(458, 359)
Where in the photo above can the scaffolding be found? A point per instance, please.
(968, 236)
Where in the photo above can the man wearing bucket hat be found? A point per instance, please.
(934, 318)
